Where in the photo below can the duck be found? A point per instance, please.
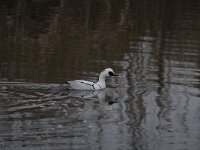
(88, 85)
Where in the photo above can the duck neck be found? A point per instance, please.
(101, 81)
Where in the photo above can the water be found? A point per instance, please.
(155, 48)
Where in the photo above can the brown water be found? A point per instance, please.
(155, 48)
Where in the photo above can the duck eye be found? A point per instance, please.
(111, 73)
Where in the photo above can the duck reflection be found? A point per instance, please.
(100, 94)
(105, 95)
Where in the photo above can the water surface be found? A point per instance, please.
(155, 48)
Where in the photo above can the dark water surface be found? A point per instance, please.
(153, 45)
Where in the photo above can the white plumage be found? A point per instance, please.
(88, 85)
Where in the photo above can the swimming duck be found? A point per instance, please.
(88, 85)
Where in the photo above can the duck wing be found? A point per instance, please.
(81, 85)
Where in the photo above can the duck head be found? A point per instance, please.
(107, 73)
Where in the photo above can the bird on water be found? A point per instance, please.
(88, 85)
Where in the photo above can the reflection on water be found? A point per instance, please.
(153, 104)
(35, 115)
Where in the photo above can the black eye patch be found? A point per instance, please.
(111, 73)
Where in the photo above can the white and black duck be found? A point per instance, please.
(88, 85)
